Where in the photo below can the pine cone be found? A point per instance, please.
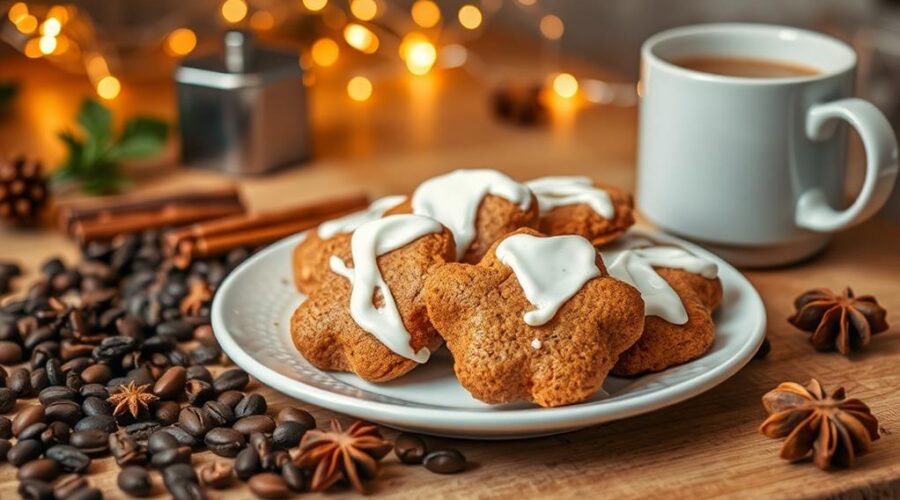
(23, 190)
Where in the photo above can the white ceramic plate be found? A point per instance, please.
(251, 318)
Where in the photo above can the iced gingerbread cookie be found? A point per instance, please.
(368, 316)
(576, 205)
(538, 319)
(310, 258)
(680, 292)
(478, 206)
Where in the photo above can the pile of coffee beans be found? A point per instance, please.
(413, 450)
(119, 316)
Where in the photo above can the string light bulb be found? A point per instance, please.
(59, 13)
(364, 10)
(315, 5)
(47, 44)
(469, 17)
(234, 11)
(109, 87)
(425, 13)
(361, 38)
(17, 12)
(325, 52)
(262, 20)
(420, 57)
(552, 27)
(181, 42)
(32, 48)
(27, 24)
(359, 88)
(565, 85)
(51, 27)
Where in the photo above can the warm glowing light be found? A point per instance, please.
(315, 5)
(425, 13)
(63, 44)
(361, 38)
(262, 20)
(453, 56)
(17, 12)
(359, 88)
(108, 87)
(47, 44)
(365, 10)
(181, 42)
(51, 27)
(552, 27)
(469, 17)
(60, 13)
(325, 52)
(234, 10)
(27, 24)
(565, 85)
(527, 3)
(97, 67)
(33, 48)
(420, 57)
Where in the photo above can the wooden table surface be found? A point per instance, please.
(414, 128)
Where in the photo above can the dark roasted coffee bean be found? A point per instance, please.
(172, 456)
(166, 412)
(104, 423)
(126, 450)
(251, 404)
(141, 430)
(7, 399)
(68, 484)
(69, 351)
(73, 381)
(5, 445)
(185, 490)
(33, 431)
(19, 380)
(10, 352)
(254, 423)
(134, 480)
(140, 376)
(219, 414)
(63, 411)
(161, 441)
(179, 330)
(111, 348)
(199, 373)
(90, 441)
(52, 267)
(410, 449)
(171, 383)
(70, 458)
(204, 334)
(27, 416)
(230, 398)
(268, 485)
(96, 406)
(158, 344)
(57, 393)
(35, 490)
(130, 326)
(231, 380)
(43, 469)
(246, 463)
(198, 392)
(115, 382)
(206, 354)
(25, 450)
(180, 472)
(445, 462)
(77, 365)
(56, 433)
(5, 428)
(42, 346)
(224, 442)
(96, 374)
(277, 459)
(294, 477)
(54, 372)
(94, 390)
(38, 380)
(288, 434)
(217, 474)
(292, 414)
(194, 420)
(184, 437)
(85, 494)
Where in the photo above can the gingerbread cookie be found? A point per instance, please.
(478, 206)
(538, 319)
(368, 316)
(576, 205)
(310, 258)
(680, 292)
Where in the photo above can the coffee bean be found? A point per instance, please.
(112, 348)
(63, 411)
(56, 433)
(73, 381)
(185, 490)
(38, 380)
(93, 390)
(264, 447)
(166, 412)
(224, 442)
(57, 393)
(33, 431)
(198, 391)
(230, 398)
(52, 266)
(54, 372)
(35, 490)
(219, 414)
(288, 434)
(96, 374)
(268, 485)
(254, 423)
(104, 423)
(204, 334)
(182, 482)
(68, 485)
(25, 450)
(183, 437)
(70, 458)
(140, 376)
(7, 399)
(178, 473)
(161, 441)
(217, 474)
(135, 481)
(410, 449)
(5, 445)
(130, 326)
(10, 352)
(292, 414)
(231, 380)
(171, 383)
(43, 469)
(252, 404)
(172, 456)
(294, 477)
(126, 450)
(246, 463)
(19, 380)
(142, 429)
(194, 420)
(199, 373)
(445, 462)
(27, 416)
(5, 428)
(179, 330)
(96, 406)
(91, 441)
(85, 494)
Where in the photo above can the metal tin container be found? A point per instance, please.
(243, 111)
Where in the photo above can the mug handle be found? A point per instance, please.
(813, 210)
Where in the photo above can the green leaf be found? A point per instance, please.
(96, 120)
(142, 136)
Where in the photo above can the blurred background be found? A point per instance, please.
(359, 78)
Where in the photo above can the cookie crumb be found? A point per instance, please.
(536, 344)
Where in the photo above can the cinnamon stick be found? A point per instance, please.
(106, 226)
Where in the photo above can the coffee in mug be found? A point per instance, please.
(745, 67)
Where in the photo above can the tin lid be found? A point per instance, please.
(241, 64)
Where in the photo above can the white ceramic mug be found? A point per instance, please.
(754, 167)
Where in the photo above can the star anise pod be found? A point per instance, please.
(132, 398)
(834, 428)
(352, 454)
(843, 322)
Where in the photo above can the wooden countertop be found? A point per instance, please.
(413, 128)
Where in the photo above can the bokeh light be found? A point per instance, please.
(27, 24)
(470, 17)
(33, 48)
(51, 27)
(315, 5)
(565, 85)
(97, 67)
(325, 52)
(552, 27)
(425, 13)
(17, 12)
(234, 10)
(109, 87)
(59, 13)
(420, 57)
(181, 42)
(365, 10)
(361, 38)
(359, 88)
(527, 3)
(262, 20)
(47, 44)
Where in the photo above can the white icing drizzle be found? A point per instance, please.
(552, 192)
(550, 270)
(348, 223)
(535, 344)
(635, 266)
(369, 241)
(453, 200)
